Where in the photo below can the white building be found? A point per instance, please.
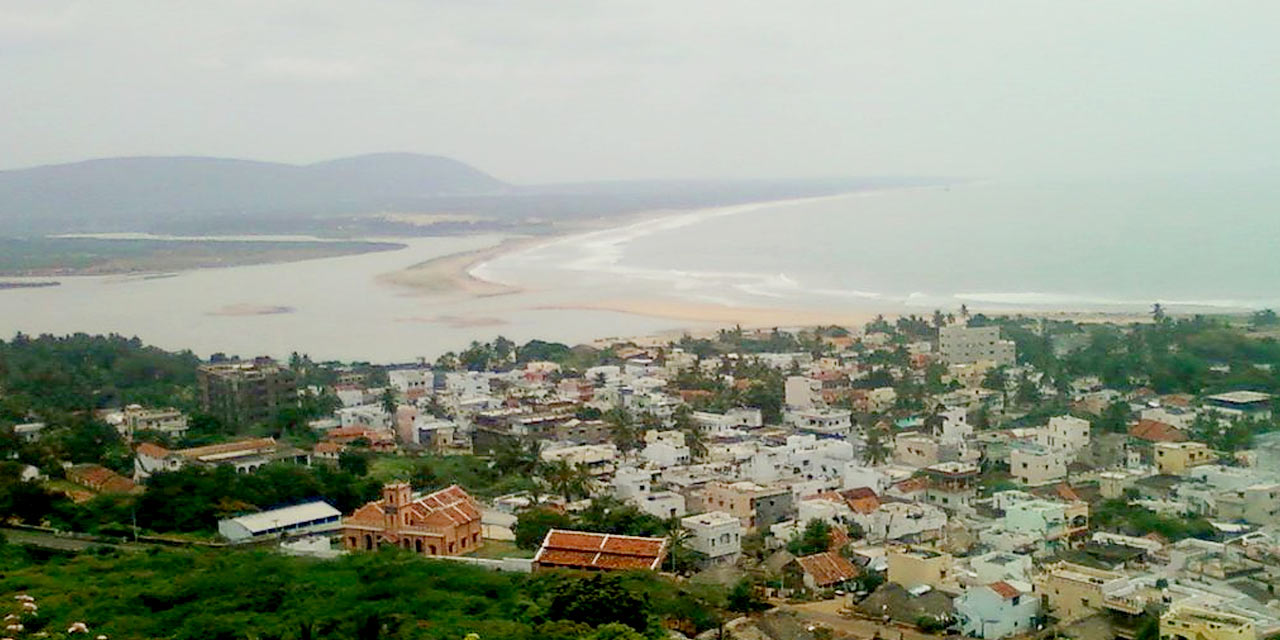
(901, 521)
(168, 421)
(309, 518)
(716, 534)
(369, 416)
(826, 422)
(1066, 435)
(661, 504)
(960, 344)
(1034, 465)
(597, 459)
(802, 392)
(723, 423)
(29, 432)
(665, 448)
(411, 383)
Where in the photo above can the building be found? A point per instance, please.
(952, 485)
(100, 479)
(903, 521)
(246, 456)
(916, 450)
(1047, 519)
(825, 570)
(996, 566)
(596, 459)
(755, 506)
(1066, 435)
(168, 421)
(960, 344)
(244, 393)
(310, 518)
(411, 383)
(1033, 465)
(835, 423)
(443, 523)
(715, 534)
(29, 432)
(1256, 504)
(1194, 623)
(997, 610)
(1073, 591)
(599, 551)
(914, 566)
(1249, 404)
(1175, 458)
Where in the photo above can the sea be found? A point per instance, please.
(1111, 246)
(1192, 244)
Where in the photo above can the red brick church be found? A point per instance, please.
(443, 523)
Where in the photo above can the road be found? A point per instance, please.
(56, 542)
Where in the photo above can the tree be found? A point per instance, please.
(876, 450)
(816, 538)
(622, 429)
(388, 401)
(353, 462)
(1157, 313)
(533, 524)
(564, 479)
(599, 600)
(746, 597)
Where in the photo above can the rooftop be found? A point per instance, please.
(286, 516)
(600, 550)
(1239, 397)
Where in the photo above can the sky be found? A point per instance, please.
(568, 90)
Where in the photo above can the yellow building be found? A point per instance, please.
(914, 566)
(1075, 591)
(1174, 458)
(1193, 623)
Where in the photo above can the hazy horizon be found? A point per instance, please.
(578, 91)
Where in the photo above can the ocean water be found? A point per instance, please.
(1191, 244)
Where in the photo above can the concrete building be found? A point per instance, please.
(915, 566)
(443, 523)
(996, 610)
(1257, 504)
(597, 459)
(1034, 465)
(916, 450)
(835, 423)
(1175, 458)
(755, 506)
(665, 448)
(245, 456)
(903, 521)
(996, 566)
(960, 344)
(168, 421)
(1194, 623)
(1247, 404)
(244, 393)
(300, 519)
(952, 485)
(1049, 520)
(715, 534)
(1074, 591)
(1066, 435)
(29, 431)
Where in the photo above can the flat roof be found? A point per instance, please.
(285, 516)
(1240, 397)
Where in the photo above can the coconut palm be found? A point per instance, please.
(876, 450)
(565, 479)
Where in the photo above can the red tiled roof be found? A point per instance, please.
(589, 550)
(912, 484)
(329, 447)
(1067, 493)
(100, 478)
(152, 450)
(249, 445)
(445, 508)
(828, 568)
(1004, 589)
(1155, 431)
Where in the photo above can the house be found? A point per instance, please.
(1256, 504)
(411, 383)
(596, 459)
(756, 506)
(168, 421)
(952, 485)
(1033, 465)
(1248, 404)
(996, 566)
(1073, 591)
(100, 479)
(599, 551)
(1066, 435)
(825, 570)
(831, 423)
(311, 518)
(903, 521)
(997, 610)
(1152, 431)
(245, 456)
(327, 452)
(1194, 623)
(715, 534)
(916, 450)
(665, 448)
(29, 432)
(442, 523)
(1049, 520)
(914, 566)
(1174, 458)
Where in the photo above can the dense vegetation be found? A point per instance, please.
(389, 594)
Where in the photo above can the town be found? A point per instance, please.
(986, 477)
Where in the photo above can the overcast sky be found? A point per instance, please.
(562, 90)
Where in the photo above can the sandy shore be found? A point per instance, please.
(721, 315)
(451, 274)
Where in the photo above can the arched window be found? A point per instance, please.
(432, 549)
(418, 545)
(368, 542)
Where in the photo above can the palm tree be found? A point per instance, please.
(677, 540)
(388, 401)
(622, 429)
(566, 479)
(964, 312)
(1157, 312)
(877, 450)
(697, 443)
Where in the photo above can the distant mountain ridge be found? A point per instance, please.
(137, 192)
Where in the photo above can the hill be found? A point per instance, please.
(146, 193)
